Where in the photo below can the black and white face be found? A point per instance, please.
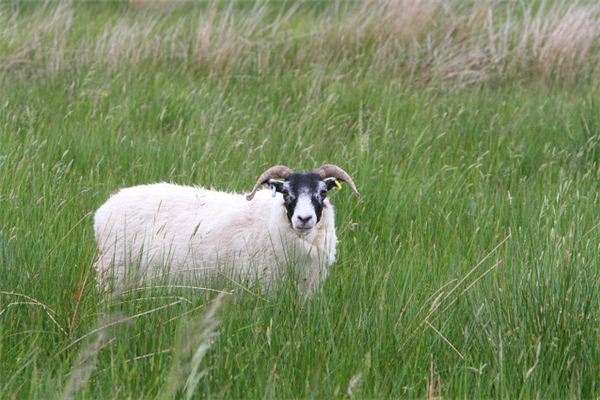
(304, 197)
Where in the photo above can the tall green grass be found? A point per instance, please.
(470, 268)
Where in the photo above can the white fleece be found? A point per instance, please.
(192, 230)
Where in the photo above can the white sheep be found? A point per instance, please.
(181, 230)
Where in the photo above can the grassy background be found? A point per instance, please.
(469, 269)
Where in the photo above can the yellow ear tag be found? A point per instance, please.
(337, 185)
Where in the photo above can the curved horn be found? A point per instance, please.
(333, 171)
(278, 171)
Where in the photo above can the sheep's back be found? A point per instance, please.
(166, 223)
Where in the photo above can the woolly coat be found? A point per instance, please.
(182, 231)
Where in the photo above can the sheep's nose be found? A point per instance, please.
(304, 220)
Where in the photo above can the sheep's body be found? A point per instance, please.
(192, 229)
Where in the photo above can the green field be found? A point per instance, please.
(469, 269)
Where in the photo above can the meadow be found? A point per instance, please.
(470, 268)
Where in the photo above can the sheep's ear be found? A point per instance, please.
(277, 184)
(332, 183)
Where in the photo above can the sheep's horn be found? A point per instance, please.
(278, 171)
(333, 171)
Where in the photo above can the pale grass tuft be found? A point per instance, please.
(569, 40)
(401, 19)
(194, 341)
(433, 383)
(126, 42)
(354, 384)
(157, 5)
(87, 360)
(425, 39)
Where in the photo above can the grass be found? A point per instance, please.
(468, 269)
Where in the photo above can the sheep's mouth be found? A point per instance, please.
(303, 230)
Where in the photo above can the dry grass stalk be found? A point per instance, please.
(427, 39)
(194, 342)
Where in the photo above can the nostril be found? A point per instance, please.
(305, 219)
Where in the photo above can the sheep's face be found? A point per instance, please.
(304, 197)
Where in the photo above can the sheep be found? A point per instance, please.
(204, 232)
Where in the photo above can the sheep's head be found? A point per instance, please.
(304, 193)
